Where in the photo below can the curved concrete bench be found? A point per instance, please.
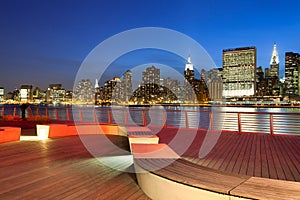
(185, 180)
(61, 130)
(9, 134)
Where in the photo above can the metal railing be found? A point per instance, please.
(260, 122)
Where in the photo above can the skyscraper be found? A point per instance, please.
(273, 78)
(112, 90)
(56, 93)
(151, 83)
(189, 71)
(1, 94)
(189, 76)
(292, 68)
(274, 63)
(127, 86)
(239, 72)
(26, 93)
(84, 92)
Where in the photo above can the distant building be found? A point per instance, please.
(84, 92)
(126, 92)
(195, 90)
(189, 81)
(112, 90)
(56, 93)
(214, 84)
(171, 90)
(260, 82)
(1, 94)
(97, 93)
(239, 72)
(26, 93)
(150, 83)
(292, 76)
(273, 76)
(36, 94)
(274, 63)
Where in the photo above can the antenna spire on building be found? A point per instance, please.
(189, 64)
(96, 84)
(274, 58)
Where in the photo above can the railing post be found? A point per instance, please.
(15, 111)
(144, 118)
(95, 115)
(186, 119)
(239, 123)
(164, 112)
(271, 125)
(29, 111)
(37, 111)
(47, 112)
(125, 117)
(80, 115)
(68, 114)
(109, 117)
(211, 125)
(3, 111)
(56, 114)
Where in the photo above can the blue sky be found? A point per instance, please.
(43, 42)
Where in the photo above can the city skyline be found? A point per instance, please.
(45, 42)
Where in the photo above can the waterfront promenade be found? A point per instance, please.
(62, 168)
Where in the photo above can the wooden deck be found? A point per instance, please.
(62, 169)
(250, 154)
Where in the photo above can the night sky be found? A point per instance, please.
(43, 42)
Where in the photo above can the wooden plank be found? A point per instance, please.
(269, 158)
(283, 159)
(194, 175)
(241, 163)
(258, 157)
(223, 151)
(261, 188)
(251, 161)
(59, 168)
(229, 165)
(246, 157)
(277, 165)
(264, 162)
(291, 160)
(219, 149)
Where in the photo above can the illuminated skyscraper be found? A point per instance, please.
(127, 86)
(56, 93)
(84, 92)
(189, 77)
(26, 93)
(273, 77)
(292, 68)
(112, 90)
(239, 72)
(150, 83)
(1, 94)
(189, 71)
(274, 63)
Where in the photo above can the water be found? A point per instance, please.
(285, 120)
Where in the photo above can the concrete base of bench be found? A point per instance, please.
(187, 181)
(9, 134)
(62, 130)
(153, 151)
(133, 139)
(160, 188)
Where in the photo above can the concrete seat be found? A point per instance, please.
(9, 134)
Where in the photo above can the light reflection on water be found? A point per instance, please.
(176, 116)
